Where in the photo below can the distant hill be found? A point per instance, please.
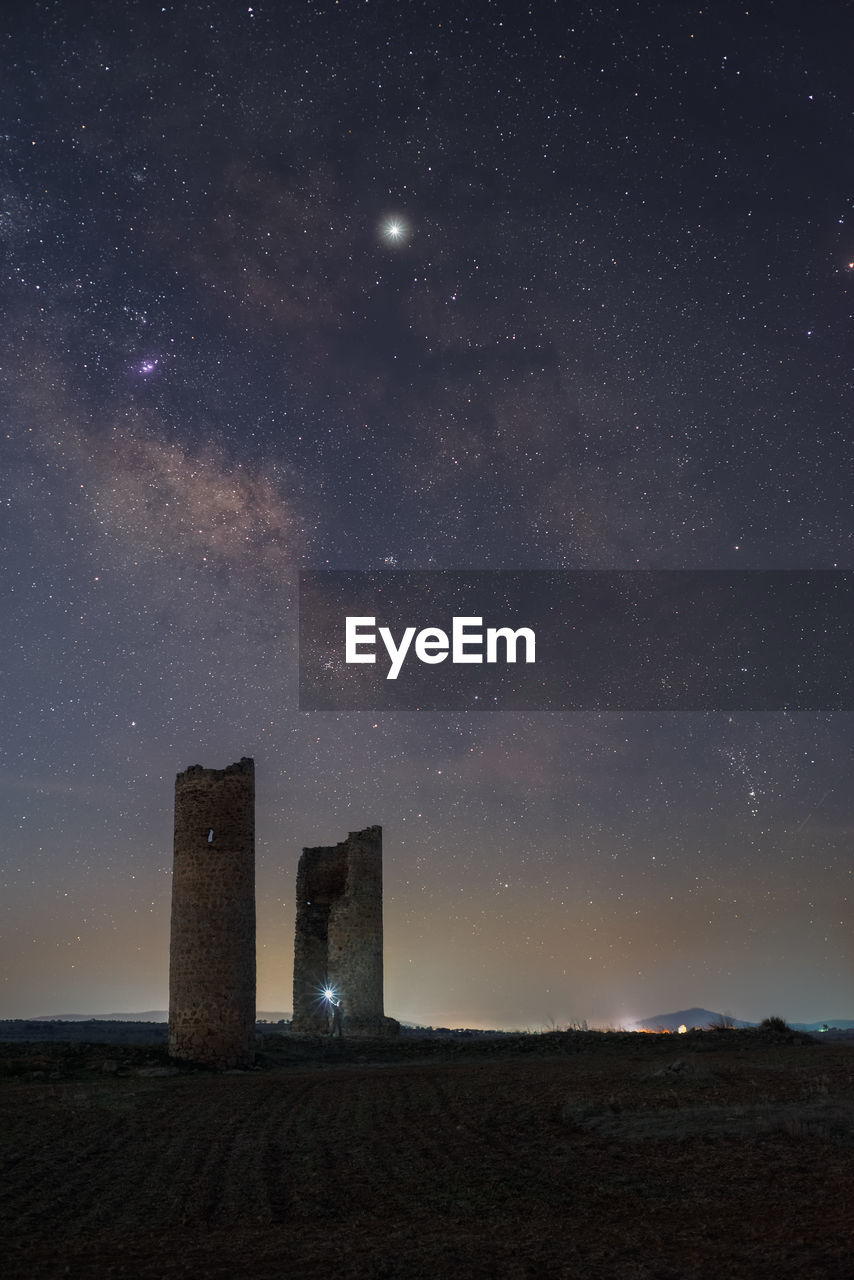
(688, 1018)
(706, 1017)
(661, 1021)
(152, 1015)
(841, 1024)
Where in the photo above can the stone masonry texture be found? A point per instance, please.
(212, 952)
(339, 936)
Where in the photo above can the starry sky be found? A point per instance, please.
(422, 286)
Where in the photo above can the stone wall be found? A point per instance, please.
(212, 952)
(339, 936)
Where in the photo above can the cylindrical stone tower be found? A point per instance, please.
(212, 952)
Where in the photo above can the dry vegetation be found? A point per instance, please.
(557, 1155)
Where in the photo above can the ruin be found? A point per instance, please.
(212, 949)
(338, 944)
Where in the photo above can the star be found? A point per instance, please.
(395, 230)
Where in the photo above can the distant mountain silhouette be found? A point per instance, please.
(688, 1018)
(661, 1021)
(838, 1024)
(151, 1015)
(707, 1017)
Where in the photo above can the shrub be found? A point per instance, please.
(774, 1024)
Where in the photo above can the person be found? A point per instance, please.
(337, 1018)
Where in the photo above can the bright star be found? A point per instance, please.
(395, 230)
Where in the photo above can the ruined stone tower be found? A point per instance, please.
(212, 952)
(339, 936)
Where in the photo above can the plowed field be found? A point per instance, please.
(626, 1165)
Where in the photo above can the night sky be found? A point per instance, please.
(419, 285)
